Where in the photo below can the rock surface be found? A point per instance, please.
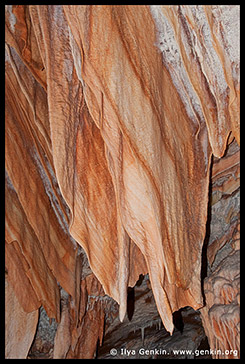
(142, 336)
(20, 326)
(118, 120)
(221, 313)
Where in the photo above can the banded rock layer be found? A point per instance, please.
(113, 114)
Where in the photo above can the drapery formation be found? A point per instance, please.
(112, 116)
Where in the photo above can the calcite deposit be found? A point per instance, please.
(221, 314)
(118, 119)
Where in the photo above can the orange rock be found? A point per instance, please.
(20, 331)
(112, 116)
(221, 314)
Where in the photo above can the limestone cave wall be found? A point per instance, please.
(122, 177)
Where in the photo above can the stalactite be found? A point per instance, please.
(114, 115)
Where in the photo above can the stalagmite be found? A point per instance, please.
(142, 334)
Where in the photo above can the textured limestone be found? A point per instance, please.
(113, 114)
(221, 313)
(20, 326)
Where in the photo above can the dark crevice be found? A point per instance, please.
(130, 303)
(131, 297)
(204, 266)
(178, 321)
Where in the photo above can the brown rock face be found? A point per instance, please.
(221, 315)
(122, 141)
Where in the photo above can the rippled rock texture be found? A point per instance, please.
(122, 139)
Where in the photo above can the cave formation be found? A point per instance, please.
(122, 180)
